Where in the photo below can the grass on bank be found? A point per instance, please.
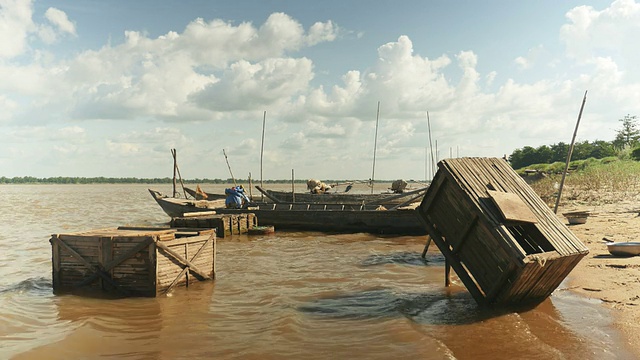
(590, 181)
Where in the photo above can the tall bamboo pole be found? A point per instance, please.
(229, 166)
(433, 164)
(175, 167)
(264, 120)
(293, 189)
(375, 145)
(566, 165)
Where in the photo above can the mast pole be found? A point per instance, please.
(375, 145)
(264, 120)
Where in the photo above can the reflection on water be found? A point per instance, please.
(290, 295)
(406, 258)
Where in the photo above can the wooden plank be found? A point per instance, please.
(512, 207)
(106, 254)
(96, 271)
(55, 254)
(186, 268)
(183, 260)
(121, 258)
(470, 284)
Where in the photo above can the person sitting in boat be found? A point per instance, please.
(317, 186)
(398, 186)
(236, 198)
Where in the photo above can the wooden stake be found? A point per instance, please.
(566, 165)
(426, 247)
(447, 273)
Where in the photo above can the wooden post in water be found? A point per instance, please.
(250, 186)
(566, 165)
(426, 247)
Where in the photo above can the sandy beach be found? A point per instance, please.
(613, 280)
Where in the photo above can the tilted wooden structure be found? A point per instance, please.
(504, 243)
(132, 261)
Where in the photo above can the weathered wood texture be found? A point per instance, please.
(225, 224)
(132, 261)
(502, 240)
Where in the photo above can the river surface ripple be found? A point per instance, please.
(289, 295)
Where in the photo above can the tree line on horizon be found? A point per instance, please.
(135, 180)
(626, 145)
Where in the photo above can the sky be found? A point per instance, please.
(331, 90)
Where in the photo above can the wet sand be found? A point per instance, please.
(615, 281)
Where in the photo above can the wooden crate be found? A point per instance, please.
(132, 261)
(225, 224)
(502, 240)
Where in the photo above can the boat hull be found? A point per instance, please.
(175, 207)
(345, 198)
(342, 218)
(399, 222)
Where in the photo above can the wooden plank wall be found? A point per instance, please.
(69, 271)
(169, 268)
(225, 224)
(467, 235)
(136, 275)
(144, 268)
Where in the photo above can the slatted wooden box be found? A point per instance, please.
(225, 224)
(502, 240)
(132, 261)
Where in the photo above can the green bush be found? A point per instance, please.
(556, 167)
(635, 154)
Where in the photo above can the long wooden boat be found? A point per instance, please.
(319, 217)
(345, 197)
(176, 207)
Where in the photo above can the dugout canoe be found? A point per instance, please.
(344, 197)
(342, 218)
(177, 207)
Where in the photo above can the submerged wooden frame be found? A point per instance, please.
(132, 262)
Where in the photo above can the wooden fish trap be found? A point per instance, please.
(132, 261)
(502, 240)
(225, 224)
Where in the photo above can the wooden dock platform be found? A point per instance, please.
(224, 224)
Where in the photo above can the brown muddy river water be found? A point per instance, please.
(289, 295)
